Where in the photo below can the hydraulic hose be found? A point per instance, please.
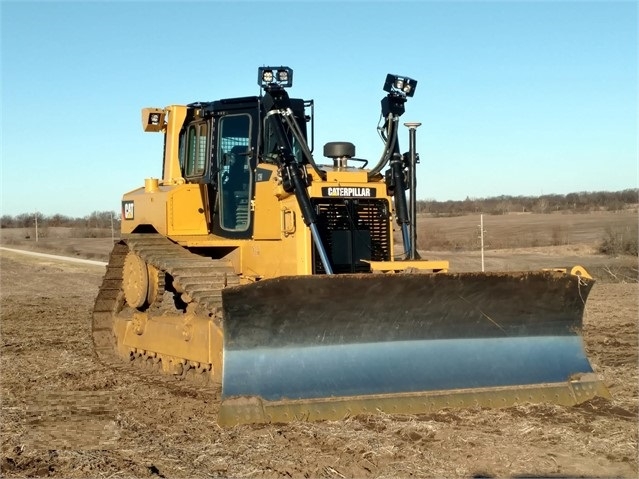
(389, 145)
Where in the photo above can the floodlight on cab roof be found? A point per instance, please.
(269, 76)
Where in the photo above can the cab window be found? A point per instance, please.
(197, 137)
(235, 172)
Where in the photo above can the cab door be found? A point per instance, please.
(234, 161)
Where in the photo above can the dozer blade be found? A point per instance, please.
(327, 347)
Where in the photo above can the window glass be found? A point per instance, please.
(196, 154)
(235, 172)
(182, 151)
(190, 156)
(200, 163)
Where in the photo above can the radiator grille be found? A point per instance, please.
(353, 228)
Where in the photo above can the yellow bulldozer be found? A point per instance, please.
(275, 280)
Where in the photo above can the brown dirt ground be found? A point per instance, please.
(66, 415)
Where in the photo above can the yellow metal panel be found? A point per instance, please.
(185, 211)
(304, 250)
(266, 205)
(295, 247)
(346, 175)
(176, 116)
(171, 210)
(289, 254)
(390, 266)
(190, 337)
(268, 258)
(149, 208)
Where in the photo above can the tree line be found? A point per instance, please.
(581, 202)
(95, 220)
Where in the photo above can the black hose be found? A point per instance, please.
(389, 146)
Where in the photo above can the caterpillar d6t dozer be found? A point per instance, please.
(275, 279)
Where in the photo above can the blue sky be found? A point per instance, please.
(515, 98)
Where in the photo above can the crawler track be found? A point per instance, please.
(193, 283)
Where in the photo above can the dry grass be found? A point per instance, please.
(50, 379)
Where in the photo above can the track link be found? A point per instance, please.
(199, 281)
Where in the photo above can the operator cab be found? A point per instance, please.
(221, 144)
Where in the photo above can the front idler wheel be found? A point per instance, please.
(135, 281)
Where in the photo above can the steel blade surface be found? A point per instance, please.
(318, 336)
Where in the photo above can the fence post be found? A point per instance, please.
(481, 235)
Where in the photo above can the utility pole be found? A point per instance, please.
(481, 236)
(36, 226)
(112, 232)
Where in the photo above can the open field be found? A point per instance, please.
(66, 415)
(523, 230)
(531, 241)
(513, 241)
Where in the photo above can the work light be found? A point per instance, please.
(282, 76)
(400, 84)
(267, 76)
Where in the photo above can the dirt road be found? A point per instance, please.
(66, 415)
